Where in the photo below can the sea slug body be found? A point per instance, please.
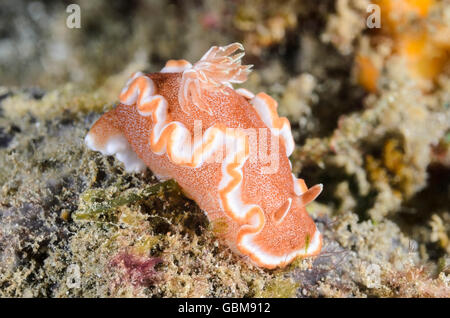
(227, 149)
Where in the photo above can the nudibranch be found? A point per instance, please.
(227, 149)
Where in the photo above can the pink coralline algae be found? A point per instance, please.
(137, 270)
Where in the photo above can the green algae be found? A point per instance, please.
(279, 287)
(219, 226)
(95, 202)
